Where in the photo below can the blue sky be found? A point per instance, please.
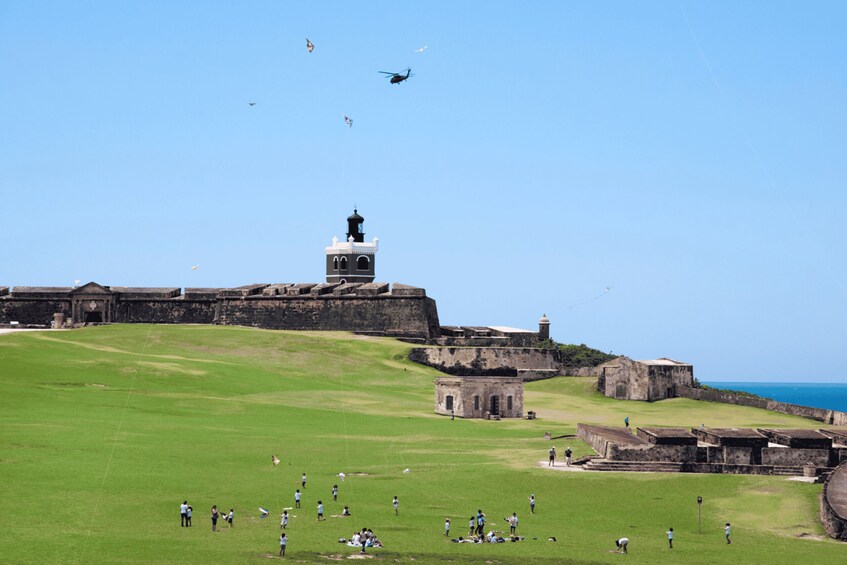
(689, 155)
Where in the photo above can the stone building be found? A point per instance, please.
(626, 379)
(353, 260)
(479, 397)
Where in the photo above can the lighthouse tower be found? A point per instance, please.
(352, 260)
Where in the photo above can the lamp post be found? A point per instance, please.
(699, 508)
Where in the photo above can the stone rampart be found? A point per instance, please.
(172, 311)
(382, 314)
(489, 360)
(367, 308)
(795, 457)
(831, 417)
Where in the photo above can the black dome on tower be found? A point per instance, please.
(356, 227)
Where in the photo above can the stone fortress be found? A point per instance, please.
(487, 364)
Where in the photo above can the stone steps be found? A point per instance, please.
(787, 471)
(633, 466)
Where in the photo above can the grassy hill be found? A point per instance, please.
(105, 431)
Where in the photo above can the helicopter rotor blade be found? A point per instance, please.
(386, 73)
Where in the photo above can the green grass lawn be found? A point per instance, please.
(105, 431)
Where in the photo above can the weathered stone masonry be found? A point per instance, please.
(374, 308)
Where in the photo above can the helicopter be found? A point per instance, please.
(397, 78)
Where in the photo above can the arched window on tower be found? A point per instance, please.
(335, 263)
(344, 263)
(362, 263)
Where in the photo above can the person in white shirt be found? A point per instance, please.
(622, 543)
(188, 516)
(670, 538)
(726, 532)
(513, 524)
(447, 527)
(297, 496)
(320, 510)
(283, 541)
(396, 504)
(183, 513)
(230, 516)
(284, 522)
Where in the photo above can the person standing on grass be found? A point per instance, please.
(284, 522)
(303, 480)
(726, 532)
(621, 544)
(626, 422)
(283, 541)
(320, 510)
(183, 513)
(396, 504)
(552, 454)
(532, 503)
(230, 516)
(670, 538)
(447, 527)
(297, 496)
(335, 493)
(480, 522)
(568, 454)
(188, 515)
(215, 515)
(513, 524)
(471, 526)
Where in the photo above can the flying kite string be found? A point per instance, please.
(605, 291)
(799, 226)
(114, 444)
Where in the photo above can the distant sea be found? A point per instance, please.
(830, 396)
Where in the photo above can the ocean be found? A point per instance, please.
(830, 396)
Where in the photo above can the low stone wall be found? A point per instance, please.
(652, 453)
(795, 457)
(831, 417)
(486, 360)
(730, 469)
(833, 502)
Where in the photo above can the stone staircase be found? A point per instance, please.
(788, 471)
(633, 466)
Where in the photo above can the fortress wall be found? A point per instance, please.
(484, 360)
(32, 310)
(382, 314)
(652, 453)
(794, 457)
(175, 311)
(831, 417)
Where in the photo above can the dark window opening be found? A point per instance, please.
(495, 405)
(449, 402)
(344, 263)
(362, 264)
(335, 263)
(508, 402)
(476, 403)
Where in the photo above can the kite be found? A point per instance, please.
(275, 460)
(252, 104)
(605, 291)
(342, 475)
(263, 512)
(422, 49)
(406, 470)
(309, 45)
(195, 267)
(348, 121)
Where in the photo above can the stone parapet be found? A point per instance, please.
(834, 504)
(831, 417)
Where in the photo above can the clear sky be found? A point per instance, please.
(689, 155)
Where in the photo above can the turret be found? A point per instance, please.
(544, 327)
